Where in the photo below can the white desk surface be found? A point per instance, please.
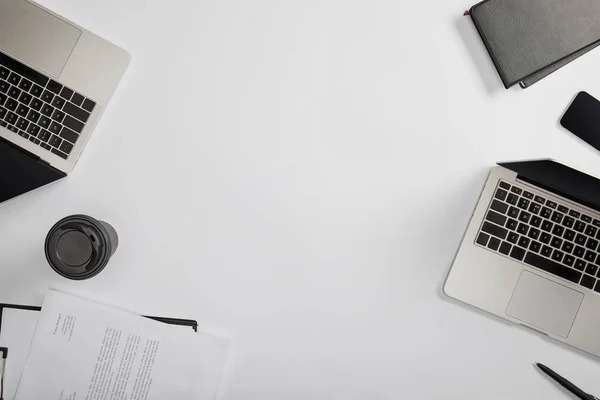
(298, 175)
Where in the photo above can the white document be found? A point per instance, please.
(83, 350)
(17, 331)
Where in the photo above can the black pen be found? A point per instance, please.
(566, 384)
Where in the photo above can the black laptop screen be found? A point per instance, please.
(560, 179)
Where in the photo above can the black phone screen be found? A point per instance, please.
(582, 118)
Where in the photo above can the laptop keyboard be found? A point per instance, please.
(40, 109)
(544, 234)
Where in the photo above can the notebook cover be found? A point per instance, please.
(21, 172)
(529, 39)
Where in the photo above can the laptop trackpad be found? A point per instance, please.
(36, 37)
(544, 304)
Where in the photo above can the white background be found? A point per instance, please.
(298, 175)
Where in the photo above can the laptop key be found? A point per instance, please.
(88, 105)
(551, 204)
(523, 203)
(513, 212)
(528, 195)
(522, 229)
(596, 223)
(493, 216)
(563, 209)
(55, 127)
(487, 227)
(44, 122)
(44, 135)
(11, 118)
(33, 116)
(556, 242)
(524, 242)
(569, 260)
(502, 184)
(60, 153)
(547, 226)
(66, 93)
(4, 72)
(501, 194)
(579, 226)
(483, 238)
(535, 208)
(22, 124)
(494, 243)
(535, 246)
(34, 140)
(545, 238)
(569, 235)
(516, 190)
(568, 222)
(58, 102)
(505, 248)
(72, 137)
(574, 214)
(558, 230)
(592, 244)
(517, 252)
(591, 269)
(512, 199)
(567, 247)
(23, 134)
(37, 90)
(539, 199)
(590, 256)
(47, 110)
(83, 115)
(33, 130)
(14, 92)
(14, 79)
(58, 116)
(54, 86)
(73, 124)
(37, 104)
(499, 206)
(536, 221)
(579, 265)
(591, 230)
(25, 98)
(46, 146)
(47, 96)
(586, 218)
(552, 267)
(22, 110)
(4, 86)
(3, 112)
(557, 217)
(13, 129)
(546, 212)
(579, 251)
(557, 255)
(580, 239)
(534, 233)
(55, 141)
(25, 84)
(546, 251)
(77, 99)
(588, 281)
(513, 238)
(66, 147)
(524, 216)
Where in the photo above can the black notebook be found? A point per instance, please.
(529, 39)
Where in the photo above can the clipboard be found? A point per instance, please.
(171, 321)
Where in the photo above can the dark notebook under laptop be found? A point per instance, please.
(21, 172)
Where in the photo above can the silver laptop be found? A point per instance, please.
(531, 252)
(56, 79)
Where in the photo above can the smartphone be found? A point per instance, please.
(582, 119)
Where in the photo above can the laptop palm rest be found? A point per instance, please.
(544, 304)
(35, 36)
